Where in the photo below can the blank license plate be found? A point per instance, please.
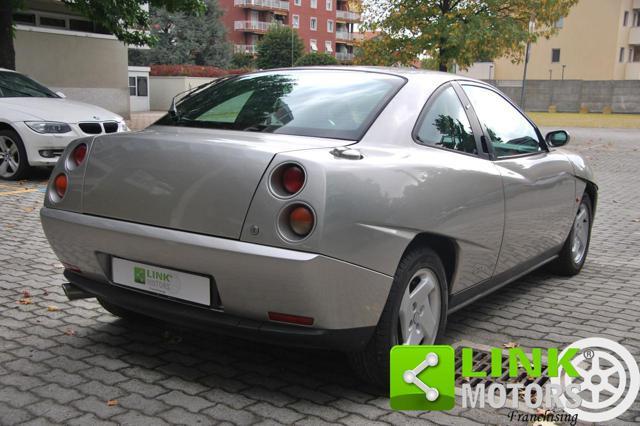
(168, 282)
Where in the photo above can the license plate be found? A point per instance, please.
(168, 282)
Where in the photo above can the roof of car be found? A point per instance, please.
(406, 72)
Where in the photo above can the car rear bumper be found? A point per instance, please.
(251, 279)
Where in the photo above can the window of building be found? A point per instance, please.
(24, 18)
(328, 46)
(636, 17)
(313, 23)
(329, 26)
(329, 4)
(295, 21)
(297, 2)
(625, 20)
(560, 23)
(630, 54)
(634, 54)
(314, 45)
(621, 56)
(81, 25)
(49, 21)
(138, 86)
(314, 4)
(555, 55)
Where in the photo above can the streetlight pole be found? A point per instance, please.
(526, 63)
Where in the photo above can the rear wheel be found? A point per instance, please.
(14, 164)
(574, 252)
(415, 314)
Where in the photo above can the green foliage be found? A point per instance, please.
(126, 19)
(184, 38)
(316, 58)
(280, 47)
(456, 31)
(243, 60)
(429, 64)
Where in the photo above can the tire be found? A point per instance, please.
(568, 262)
(120, 312)
(372, 363)
(14, 164)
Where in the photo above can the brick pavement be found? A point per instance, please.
(62, 366)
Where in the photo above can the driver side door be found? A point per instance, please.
(539, 186)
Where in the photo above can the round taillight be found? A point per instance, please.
(79, 153)
(60, 184)
(301, 221)
(292, 179)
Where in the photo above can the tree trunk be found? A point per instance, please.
(442, 66)
(7, 53)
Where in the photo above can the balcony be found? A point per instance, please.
(247, 49)
(344, 36)
(258, 27)
(346, 15)
(275, 5)
(344, 56)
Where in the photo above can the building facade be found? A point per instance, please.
(325, 26)
(598, 40)
(67, 52)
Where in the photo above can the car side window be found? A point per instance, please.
(508, 130)
(446, 125)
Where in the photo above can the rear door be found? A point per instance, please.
(539, 185)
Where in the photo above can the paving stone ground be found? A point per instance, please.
(62, 366)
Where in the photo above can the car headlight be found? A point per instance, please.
(48, 126)
(122, 127)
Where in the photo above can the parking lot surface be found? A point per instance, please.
(73, 363)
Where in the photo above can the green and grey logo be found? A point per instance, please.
(139, 275)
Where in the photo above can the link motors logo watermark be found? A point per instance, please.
(592, 380)
(157, 280)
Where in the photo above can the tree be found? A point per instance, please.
(316, 58)
(456, 31)
(280, 47)
(126, 19)
(243, 60)
(186, 38)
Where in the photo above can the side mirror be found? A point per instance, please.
(62, 95)
(557, 138)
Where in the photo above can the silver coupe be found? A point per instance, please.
(349, 208)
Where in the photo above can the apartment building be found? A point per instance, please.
(324, 25)
(598, 40)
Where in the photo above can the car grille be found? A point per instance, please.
(91, 128)
(110, 127)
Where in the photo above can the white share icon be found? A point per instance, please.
(411, 376)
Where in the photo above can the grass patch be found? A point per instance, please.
(567, 119)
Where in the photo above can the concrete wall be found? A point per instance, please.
(163, 89)
(88, 68)
(569, 95)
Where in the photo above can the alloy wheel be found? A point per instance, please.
(420, 308)
(9, 157)
(581, 228)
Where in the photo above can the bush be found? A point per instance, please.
(280, 47)
(191, 71)
(243, 60)
(316, 58)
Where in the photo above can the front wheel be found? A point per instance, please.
(574, 252)
(415, 314)
(14, 164)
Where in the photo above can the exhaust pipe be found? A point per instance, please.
(74, 292)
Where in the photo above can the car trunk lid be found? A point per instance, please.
(197, 180)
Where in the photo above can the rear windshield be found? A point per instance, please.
(14, 85)
(322, 103)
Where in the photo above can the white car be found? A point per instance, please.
(36, 124)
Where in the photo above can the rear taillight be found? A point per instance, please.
(60, 184)
(292, 179)
(301, 220)
(291, 319)
(78, 154)
(287, 180)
